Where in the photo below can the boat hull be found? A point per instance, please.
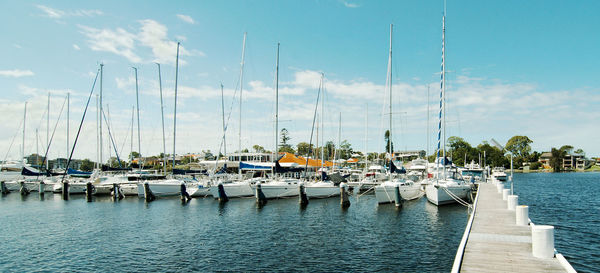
(161, 188)
(233, 190)
(321, 190)
(386, 192)
(436, 193)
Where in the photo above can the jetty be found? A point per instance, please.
(493, 242)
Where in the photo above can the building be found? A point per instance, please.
(569, 162)
(406, 156)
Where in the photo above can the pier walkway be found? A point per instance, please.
(496, 244)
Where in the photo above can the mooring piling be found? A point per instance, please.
(344, 199)
(397, 197)
(89, 190)
(222, 195)
(42, 188)
(117, 194)
(3, 187)
(65, 190)
(185, 196)
(148, 195)
(302, 194)
(23, 189)
(261, 200)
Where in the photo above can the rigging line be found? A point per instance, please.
(80, 125)
(313, 128)
(52, 137)
(13, 140)
(126, 138)
(111, 138)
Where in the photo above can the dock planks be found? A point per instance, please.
(496, 243)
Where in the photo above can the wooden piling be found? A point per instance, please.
(89, 190)
(116, 192)
(148, 195)
(344, 199)
(222, 195)
(261, 200)
(41, 188)
(65, 191)
(302, 195)
(23, 189)
(4, 188)
(397, 198)
(185, 196)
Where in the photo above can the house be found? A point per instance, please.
(570, 161)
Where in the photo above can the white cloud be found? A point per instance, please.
(76, 47)
(16, 73)
(350, 5)
(152, 34)
(186, 18)
(17, 46)
(118, 41)
(58, 14)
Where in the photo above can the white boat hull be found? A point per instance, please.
(386, 192)
(198, 190)
(437, 194)
(321, 190)
(233, 190)
(280, 189)
(161, 188)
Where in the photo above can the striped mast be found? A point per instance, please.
(442, 96)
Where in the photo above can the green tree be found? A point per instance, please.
(304, 148)
(493, 156)
(520, 148)
(87, 165)
(134, 155)
(259, 149)
(388, 142)
(284, 146)
(579, 152)
(461, 151)
(329, 150)
(345, 150)
(556, 159)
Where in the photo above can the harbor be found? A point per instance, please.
(317, 136)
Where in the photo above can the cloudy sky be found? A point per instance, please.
(514, 68)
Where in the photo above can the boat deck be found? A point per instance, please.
(496, 243)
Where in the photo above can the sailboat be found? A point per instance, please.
(322, 188)
(447, 186)
(385, 192)
(168, 186)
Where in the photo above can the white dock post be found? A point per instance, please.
(522, 215)
(542, 241)
(513, 200)
(500, 187)
(505, 193)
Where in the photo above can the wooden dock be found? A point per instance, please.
(496, 244)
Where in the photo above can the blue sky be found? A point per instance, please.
(515, 68)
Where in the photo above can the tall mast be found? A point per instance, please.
(37, 149)
(108, 125)
(390, 150)
(23, 144)
(131, 138)
(101, 111)
(322, 127)
(175, 108)
(427, 154)
(97, 132)
(223, 117)
(162, 115)
(68, 121)
(137, 100)
(442, 98)
(276, 106)
(339, 139)
(366, 136)
(241, 89)
(48, 130)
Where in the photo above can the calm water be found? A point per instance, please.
(130, 235)
(569, 202)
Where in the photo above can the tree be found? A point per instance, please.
(345, 150)
(493, 156)
(87, 165)
(388, 142)
(461, 151)
(304, 148)
(520, 148)
(329, 150)
(259, 149)
(567, 149)
(579, 152)
(284, 146)
(556, 159)
(134, 154)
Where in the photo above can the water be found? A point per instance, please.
(54, 235)
(570, 203)
(130, 235)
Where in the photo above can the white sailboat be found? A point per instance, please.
(321, 189)
(278, 187)
(446, 186)
(385, 192)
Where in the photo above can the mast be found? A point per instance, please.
(97, 132)
(175, 108)
(322, 127)
(37, 148)
(48, 131)
(23, 145)
(162, 115)
(442, 99)
(427, 154)
(68, 120)
(339, 140)
(131, 138)
(100, 114)
(137, 99)
(223, 117)
(108, 125)
(241, 89)
(366, 136)
(390, 150)
(276, 108)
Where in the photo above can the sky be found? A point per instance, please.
(513, 68)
